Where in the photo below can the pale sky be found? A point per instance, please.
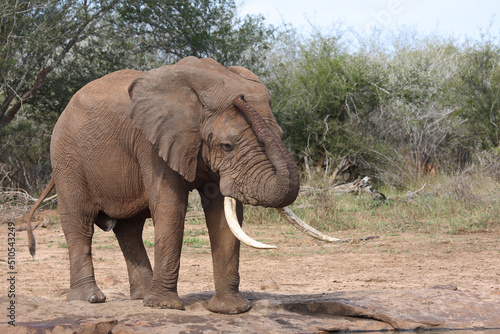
(458, 18)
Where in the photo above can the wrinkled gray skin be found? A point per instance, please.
(132, 144)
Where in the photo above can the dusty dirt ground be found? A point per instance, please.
(311, 280)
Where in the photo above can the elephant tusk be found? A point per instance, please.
(304, 227)
(234, 226)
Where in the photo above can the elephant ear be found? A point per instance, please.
(168, 112)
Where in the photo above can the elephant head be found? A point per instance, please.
(206, 119)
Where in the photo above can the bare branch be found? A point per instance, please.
(86, 28)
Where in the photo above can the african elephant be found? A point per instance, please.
(132, 145)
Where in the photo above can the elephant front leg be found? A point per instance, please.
(168, 220)
(225, 256)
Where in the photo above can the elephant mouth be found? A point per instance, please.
(234, 226)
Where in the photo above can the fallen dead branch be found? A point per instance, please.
(20, 197)
(345, 166)
(361, 186)
(358, 186)
(351, 185)
(15, 204)
(411, 194)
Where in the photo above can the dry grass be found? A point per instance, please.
(459, 203)
(465, 202)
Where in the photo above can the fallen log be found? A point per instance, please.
(360, 185)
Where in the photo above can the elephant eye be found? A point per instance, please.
(227, 147)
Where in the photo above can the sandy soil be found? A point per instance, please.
(406, 261)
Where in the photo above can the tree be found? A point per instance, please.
(418, 101)
(316, 98)
(35, 37)
(203, 28)
(480, 85)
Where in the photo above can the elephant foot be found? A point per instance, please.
(140, 282)
(229, 304)
(139, 292)
(166, 300)
(89, 292)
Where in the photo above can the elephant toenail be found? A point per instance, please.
(93, 299)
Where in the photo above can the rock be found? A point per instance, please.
(61, 330)
(99, 326)
(8, 329)
(385, 310)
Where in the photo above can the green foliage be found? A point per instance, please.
(24, 156)
(309, 96)
(401, 108)
(35, 36)
(417, 99)
(148, 243)
(480, 86)
(204, 28)
(194, 242)
(320, 98)
(54, 48)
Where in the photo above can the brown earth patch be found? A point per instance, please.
(405, 281)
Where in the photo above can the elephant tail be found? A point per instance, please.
(29, 229)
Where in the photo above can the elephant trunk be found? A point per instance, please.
(282, 186)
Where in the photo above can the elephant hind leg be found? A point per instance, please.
(78, 230)
(129, 235)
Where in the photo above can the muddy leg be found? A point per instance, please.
(129, 235)
(78, 229)
(225, 257)
(168, 210)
